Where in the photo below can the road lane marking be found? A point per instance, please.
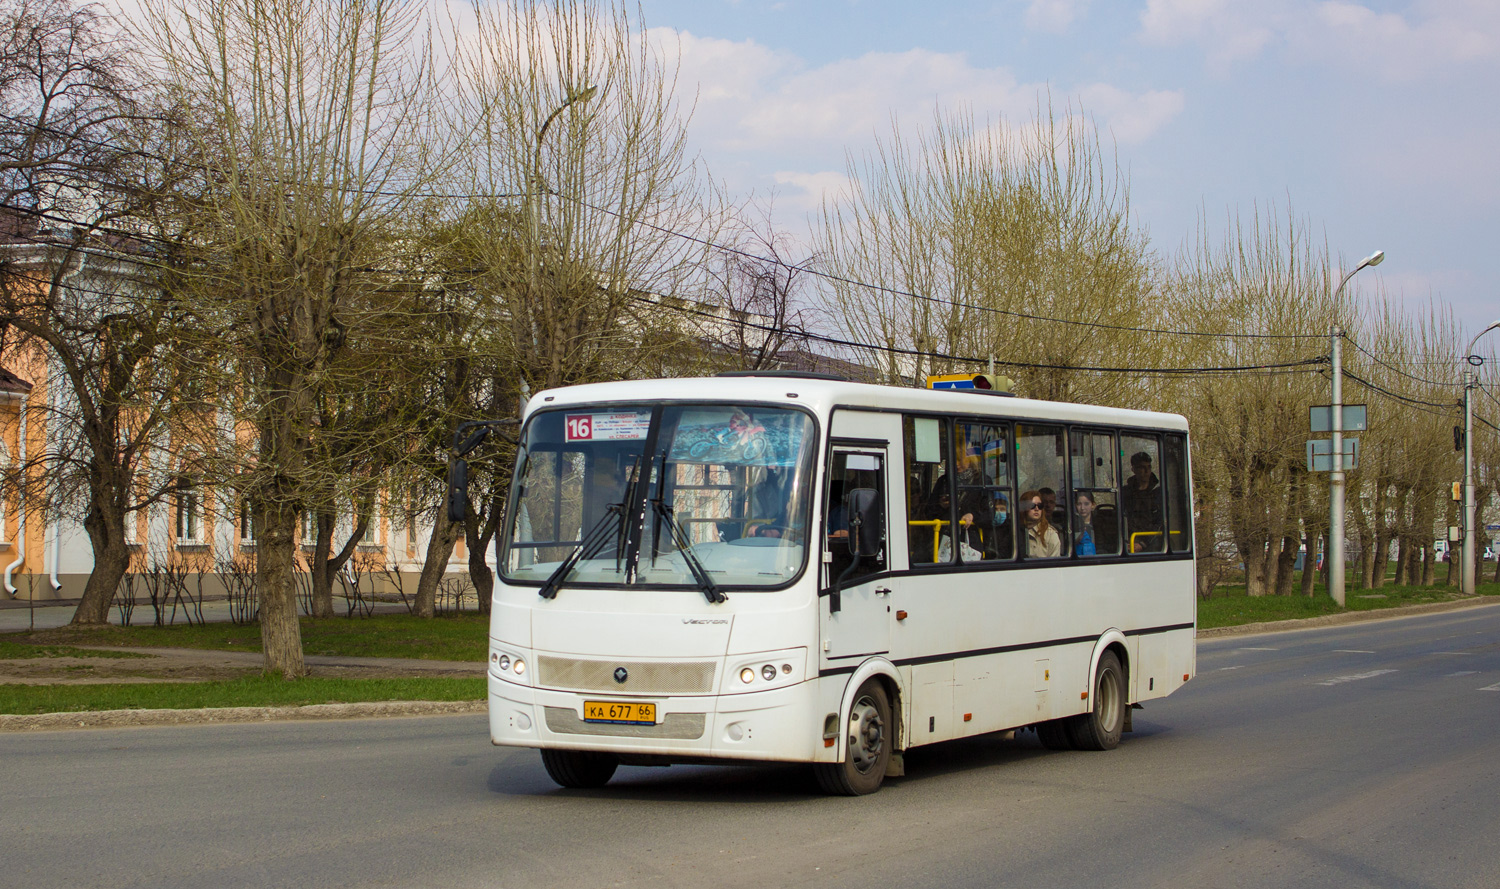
(1461, 673)
(1351, 651)
(1259, 649)
(1355, 677)
(1495, 687)
(1235, 667)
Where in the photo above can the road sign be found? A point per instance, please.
(1320, 454)
(1320, 417)
(951, 381)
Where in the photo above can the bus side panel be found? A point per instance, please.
(1166, 661)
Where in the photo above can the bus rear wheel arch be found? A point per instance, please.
(1101, 726)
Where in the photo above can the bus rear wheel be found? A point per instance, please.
(1099, 729)
(577, 768)
(867, 744)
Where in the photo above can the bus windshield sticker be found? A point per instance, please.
(621, 426)
(731, 435)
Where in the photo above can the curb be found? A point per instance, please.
(42, 722)
(1348, 617)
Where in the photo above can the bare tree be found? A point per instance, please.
(85, 156)
(314, 126)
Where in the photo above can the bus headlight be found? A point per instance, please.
(768, 671)
(519, 666)
(747, 675)
(503, 662)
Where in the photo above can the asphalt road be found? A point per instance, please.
(1363, 755)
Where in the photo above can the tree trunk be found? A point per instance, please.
(1403, 559)
(439, 550)
(1429, 564)
(280, 632)
(1286, 563)
(1309, 573)
(106, 529)
(318, 567)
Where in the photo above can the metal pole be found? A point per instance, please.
(1466, 578)
(1335, 555)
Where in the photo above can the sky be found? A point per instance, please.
(1377, 122)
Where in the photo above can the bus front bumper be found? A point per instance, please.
(781, 724)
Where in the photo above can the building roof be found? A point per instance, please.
(9, 382)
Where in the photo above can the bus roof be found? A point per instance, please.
(824, 395)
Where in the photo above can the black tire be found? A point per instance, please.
(1099, 729)
(1054, 734)
(867, 753)
(577, 768)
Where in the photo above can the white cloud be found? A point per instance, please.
(1053, 16)
(1431, 35)
(1130, 117)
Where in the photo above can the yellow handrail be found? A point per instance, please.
(937, 530)
(1135, 534)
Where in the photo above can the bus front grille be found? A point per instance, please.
(641, 677)
(675, 726)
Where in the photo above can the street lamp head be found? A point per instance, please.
(1375, 258)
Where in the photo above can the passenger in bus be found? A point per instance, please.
(1042, 541)
(1141, 499)
(1084, 542)
(1056, 515)
(998, 537)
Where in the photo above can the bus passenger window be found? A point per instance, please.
(1095, 506)
(929, 495)
(1041, 472)
(984, 492)
(1179, 515)
(1140, 495)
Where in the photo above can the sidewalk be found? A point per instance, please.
(19, 615)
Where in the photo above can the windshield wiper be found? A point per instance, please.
(592, 542)
(685, 546)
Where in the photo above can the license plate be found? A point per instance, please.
(627, 712)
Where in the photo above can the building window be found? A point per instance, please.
(5, 487)
(247, 522)
(189, 512)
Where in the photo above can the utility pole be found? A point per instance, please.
(1335, 555)
(1471, 534)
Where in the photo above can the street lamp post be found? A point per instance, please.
(539, 183)
(1335, 555)
(1471, 534)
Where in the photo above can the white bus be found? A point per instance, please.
(794, 568)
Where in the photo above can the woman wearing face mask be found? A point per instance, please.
(1083, 538)
(998, 539)
(1042, 541)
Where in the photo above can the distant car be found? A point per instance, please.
(1489, 554)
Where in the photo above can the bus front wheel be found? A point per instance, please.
(1099, 729)
(577, 768)
(867, 743)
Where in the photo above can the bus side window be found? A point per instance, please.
(1179, 515)
(929, 507)
(1140, 495)
(856, 516)
(1041, 471)
(1095, 503)
(985, 497)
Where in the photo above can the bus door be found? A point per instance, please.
(855, 584)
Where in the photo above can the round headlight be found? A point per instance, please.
(494, 658)
(747, 674)
(504, 662)
(786, 668)
(520, 666)
(768, 671)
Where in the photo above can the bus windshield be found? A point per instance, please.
(697, 495)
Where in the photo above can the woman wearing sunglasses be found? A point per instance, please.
(1042, 540)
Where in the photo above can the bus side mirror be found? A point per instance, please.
(458, 490)
(862, 506)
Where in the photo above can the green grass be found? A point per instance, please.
(1231, 607)
(451, 638)
(258, 691)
